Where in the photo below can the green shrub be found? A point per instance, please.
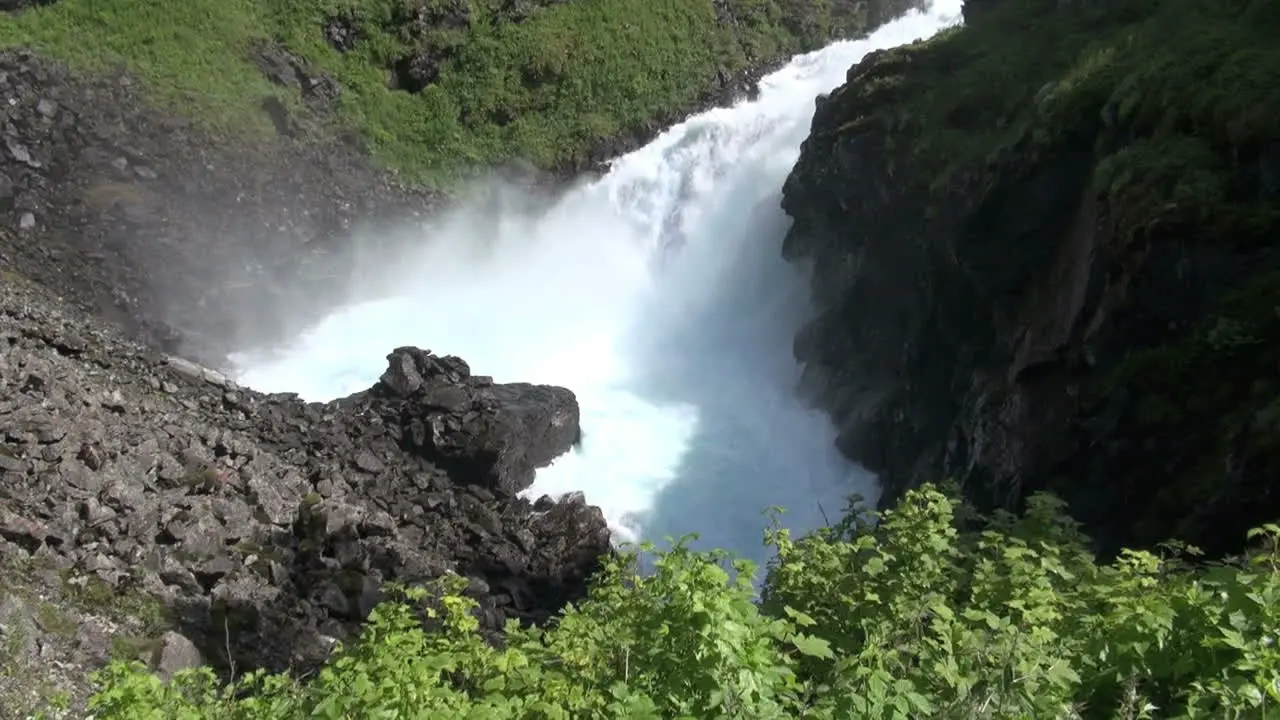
(908, 618)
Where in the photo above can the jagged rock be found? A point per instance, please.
(278, 519)
(489, 435)
(175, 654)
(18, 629)
(318, 89)
(419, 17)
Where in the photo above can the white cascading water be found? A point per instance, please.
(658, 294)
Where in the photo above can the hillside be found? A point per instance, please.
(911, 619)
(438, 88)
(183, 179)
(1059, 269)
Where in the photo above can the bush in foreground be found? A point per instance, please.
(910, 618)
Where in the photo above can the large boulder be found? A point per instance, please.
(486, 434)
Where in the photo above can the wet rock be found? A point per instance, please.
(1002, 338)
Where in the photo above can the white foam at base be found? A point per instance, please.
(658, 295)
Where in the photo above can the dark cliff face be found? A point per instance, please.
(1045, 257)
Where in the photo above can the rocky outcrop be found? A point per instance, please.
(319, 90)
(1064, 281)
(264, 527)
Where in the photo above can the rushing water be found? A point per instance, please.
(659, 296)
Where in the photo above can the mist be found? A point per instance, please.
(657, 293)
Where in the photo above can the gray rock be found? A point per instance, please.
(132, 468)
(174, 654)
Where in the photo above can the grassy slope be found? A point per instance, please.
(602, 66)
(1176, 99)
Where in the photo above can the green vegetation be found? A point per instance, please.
(1156, 87)
(540, 89)
(911, 618)
(139, 615)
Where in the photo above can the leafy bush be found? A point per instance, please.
(911, 617)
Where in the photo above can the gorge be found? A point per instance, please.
(411, 290)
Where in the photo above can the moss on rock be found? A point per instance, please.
(1210, 402)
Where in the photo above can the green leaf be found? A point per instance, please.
(801, 619)
(813, 646)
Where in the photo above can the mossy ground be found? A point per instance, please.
(539, 90)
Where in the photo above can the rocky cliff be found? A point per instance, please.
(1044, 245)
